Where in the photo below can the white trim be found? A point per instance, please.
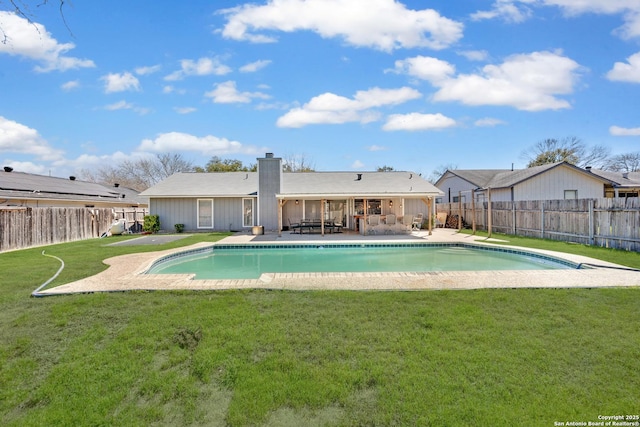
(253, 207)
(198, 213)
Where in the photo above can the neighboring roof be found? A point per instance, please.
(508, 178)
(478, 177)
(345, 184)
(20, 185)
(198, 184)
(294, 184)
(632, 179)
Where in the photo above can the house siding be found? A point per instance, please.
(452, 185)
(227, 213)
(552, 184)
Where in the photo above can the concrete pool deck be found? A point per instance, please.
(125, 272)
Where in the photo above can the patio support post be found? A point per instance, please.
(459, 211)
(473, 211)
(364, 220)
(489, 212)
(429, 202)
(281, 204)
(322, 201)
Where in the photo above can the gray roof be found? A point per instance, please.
(478, 177)
(20, 185)
(295, 184)
(345, 184)
(505, 178)
(197, 184)
(632, 179)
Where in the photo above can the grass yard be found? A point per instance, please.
(485, 357)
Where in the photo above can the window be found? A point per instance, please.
(247, 212)
(570, 194)
(205, 213)
(374, 206)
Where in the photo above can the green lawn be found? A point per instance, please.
(485, 357)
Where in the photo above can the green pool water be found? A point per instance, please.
(250, 263)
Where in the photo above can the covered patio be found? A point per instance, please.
(366, 203)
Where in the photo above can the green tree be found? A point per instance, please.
(217, 164)
(385, 168)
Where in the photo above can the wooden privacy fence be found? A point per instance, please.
(607, 222)
(26, 227)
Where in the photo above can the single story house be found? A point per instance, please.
(623, 184)
(273, 199)
(19, 189)
(552, 181)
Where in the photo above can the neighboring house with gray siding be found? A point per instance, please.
(272, 198)
(553, 181)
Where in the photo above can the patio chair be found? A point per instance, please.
(416, 224)
(294, 226)
(441, 219)
(390, 224)
(373, 222)
(407, 223)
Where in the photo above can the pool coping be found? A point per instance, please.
(125, 273)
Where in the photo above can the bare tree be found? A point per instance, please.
(569, 149)
(297, 163)
(139, 174)
(24, 8)
(439, 171)
(629, 162)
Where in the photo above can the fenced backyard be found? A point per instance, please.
(606, 222)
(26, 227)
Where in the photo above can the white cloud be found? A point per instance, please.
(254, 66)
(475, 55)
(488, 122)
(208, 145)
(18, 138)
(380, 24)
(418, 121)
(530, 82)
(185, 110)
(201, 67)
(227, 93)
(28, 167)
(626, 71)
(620, 131)
(329, 108)
(508, 10)
(33, 41)
(516, 11)
(425, 68)
(143, 71)
(376, 148)
(70, 85)
(357, 164)
(120, 105)
(124, 105)
(115, 82)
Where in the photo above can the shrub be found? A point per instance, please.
(179, 228)
(151, 223)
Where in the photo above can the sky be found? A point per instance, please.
(342, 84)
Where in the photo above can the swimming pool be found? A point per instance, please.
(251, 261)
